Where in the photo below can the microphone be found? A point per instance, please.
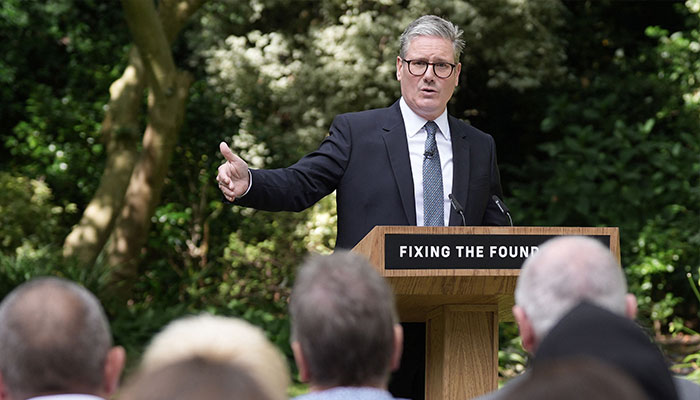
(457, 207)
(429, 154)
(502, 206)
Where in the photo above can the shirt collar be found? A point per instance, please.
(413, 122)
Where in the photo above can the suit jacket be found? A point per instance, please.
(686, 389)
(365, 158)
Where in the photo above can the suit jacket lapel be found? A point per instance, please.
(397, 150)
(460, 171)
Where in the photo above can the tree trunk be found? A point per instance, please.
(120, 127)
(120, 130)
(168, 90)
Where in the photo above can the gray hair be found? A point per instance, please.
(54, 337)
(565, 271)
(343, 316)
(432, 25)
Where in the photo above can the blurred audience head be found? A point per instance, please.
(565, 271)
(55, 339)
(576, 379)
(196, 378)
(345, 329)
(224, 340)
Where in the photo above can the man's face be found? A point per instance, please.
(427, 95)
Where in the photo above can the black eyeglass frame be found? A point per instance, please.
(427, 64)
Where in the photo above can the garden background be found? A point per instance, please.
(111, 114)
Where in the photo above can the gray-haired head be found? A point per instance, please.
(54, 338)
(565, 271)
(432, 25)
(343, 316)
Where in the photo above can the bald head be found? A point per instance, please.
(54, 338)
(565, 271)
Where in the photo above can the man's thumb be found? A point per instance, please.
(226, 152)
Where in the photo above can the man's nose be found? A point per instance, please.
(429, 74)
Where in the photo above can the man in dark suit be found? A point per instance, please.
(390, 166)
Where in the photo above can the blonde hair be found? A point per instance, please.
(221, 339)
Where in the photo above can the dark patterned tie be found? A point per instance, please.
(433, 211)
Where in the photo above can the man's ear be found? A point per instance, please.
(527, 332)
(398, 347)
(630, 306)
(116, 358)
(304, 374)
(398, 68)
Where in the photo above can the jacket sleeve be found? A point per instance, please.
(302, 184)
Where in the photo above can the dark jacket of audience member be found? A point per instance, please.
(576, 378)
(593, 332)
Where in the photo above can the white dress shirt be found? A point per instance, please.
(416, 135)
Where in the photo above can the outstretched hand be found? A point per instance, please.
(233, 174)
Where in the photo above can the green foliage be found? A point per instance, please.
(512, 358)
(614, 112)
(623, 149)
(58, 62)
(28, 219)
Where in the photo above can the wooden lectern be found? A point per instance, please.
(460, 281)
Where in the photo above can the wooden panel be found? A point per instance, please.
(435, 357)
(417, 308)
(462, 353)
(462, 307)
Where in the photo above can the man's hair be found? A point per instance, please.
(221, 339)
(196, 378)
(343, 316)
(54, 338)
(432, 25)
(565, 271)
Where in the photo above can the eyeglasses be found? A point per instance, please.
(440, 69)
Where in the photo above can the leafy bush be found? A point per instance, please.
(27, 216)
(623, 150)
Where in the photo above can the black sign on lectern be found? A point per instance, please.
(457, 251)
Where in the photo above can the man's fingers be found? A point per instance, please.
(226, 152)
(224, 177)
(228, 193)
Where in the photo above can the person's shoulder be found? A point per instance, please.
(347, 393)
(686, 389)
(467, 129)
(66, 396)
(373, 114)
(506, 390)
